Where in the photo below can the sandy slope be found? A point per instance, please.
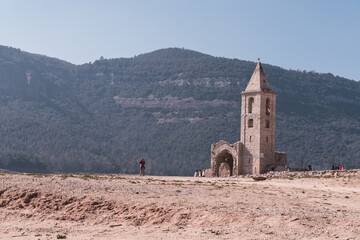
(132, 207)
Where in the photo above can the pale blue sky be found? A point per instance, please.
(320, 35)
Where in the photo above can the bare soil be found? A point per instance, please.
(152, 207)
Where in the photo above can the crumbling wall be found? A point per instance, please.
(221, 152)
(208, 173)
(280, 159)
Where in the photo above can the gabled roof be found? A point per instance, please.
(258, 81)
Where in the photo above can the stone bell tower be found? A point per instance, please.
(258, 124)
(255, 152)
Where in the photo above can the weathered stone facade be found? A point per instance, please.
(255, 152)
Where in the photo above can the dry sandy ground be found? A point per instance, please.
(132, 207)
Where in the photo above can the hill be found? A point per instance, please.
(167, 106)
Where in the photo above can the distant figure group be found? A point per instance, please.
(339, 167)
(199, 173)
(142, 167)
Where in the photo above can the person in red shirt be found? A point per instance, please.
(142, 167)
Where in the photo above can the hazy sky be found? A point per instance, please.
(320, 35)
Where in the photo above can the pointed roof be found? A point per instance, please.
(258, 81)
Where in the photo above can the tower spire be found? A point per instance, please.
(258, 81)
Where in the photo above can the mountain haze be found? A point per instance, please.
(167, 106)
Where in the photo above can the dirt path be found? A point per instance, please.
(132, 207)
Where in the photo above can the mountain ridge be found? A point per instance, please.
(167, 106)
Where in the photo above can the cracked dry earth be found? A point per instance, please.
(151, 207)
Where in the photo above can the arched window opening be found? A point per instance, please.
(250, 138)
(250, 123)
(267, 124)
(267, 139)
(267, 106)
(250, 105)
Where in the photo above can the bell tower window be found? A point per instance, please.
(250, 104)
(267, 106)
(267, 124)
(250, 123)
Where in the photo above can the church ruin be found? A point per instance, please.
(255, 152)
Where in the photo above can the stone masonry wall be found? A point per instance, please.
(280, 159)
(267, 133)
(250, 136)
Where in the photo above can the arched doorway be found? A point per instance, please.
(224, 164)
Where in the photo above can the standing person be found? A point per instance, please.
(142, 167)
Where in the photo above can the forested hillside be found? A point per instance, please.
(167, 106)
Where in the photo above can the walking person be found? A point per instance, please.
(142, 167)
